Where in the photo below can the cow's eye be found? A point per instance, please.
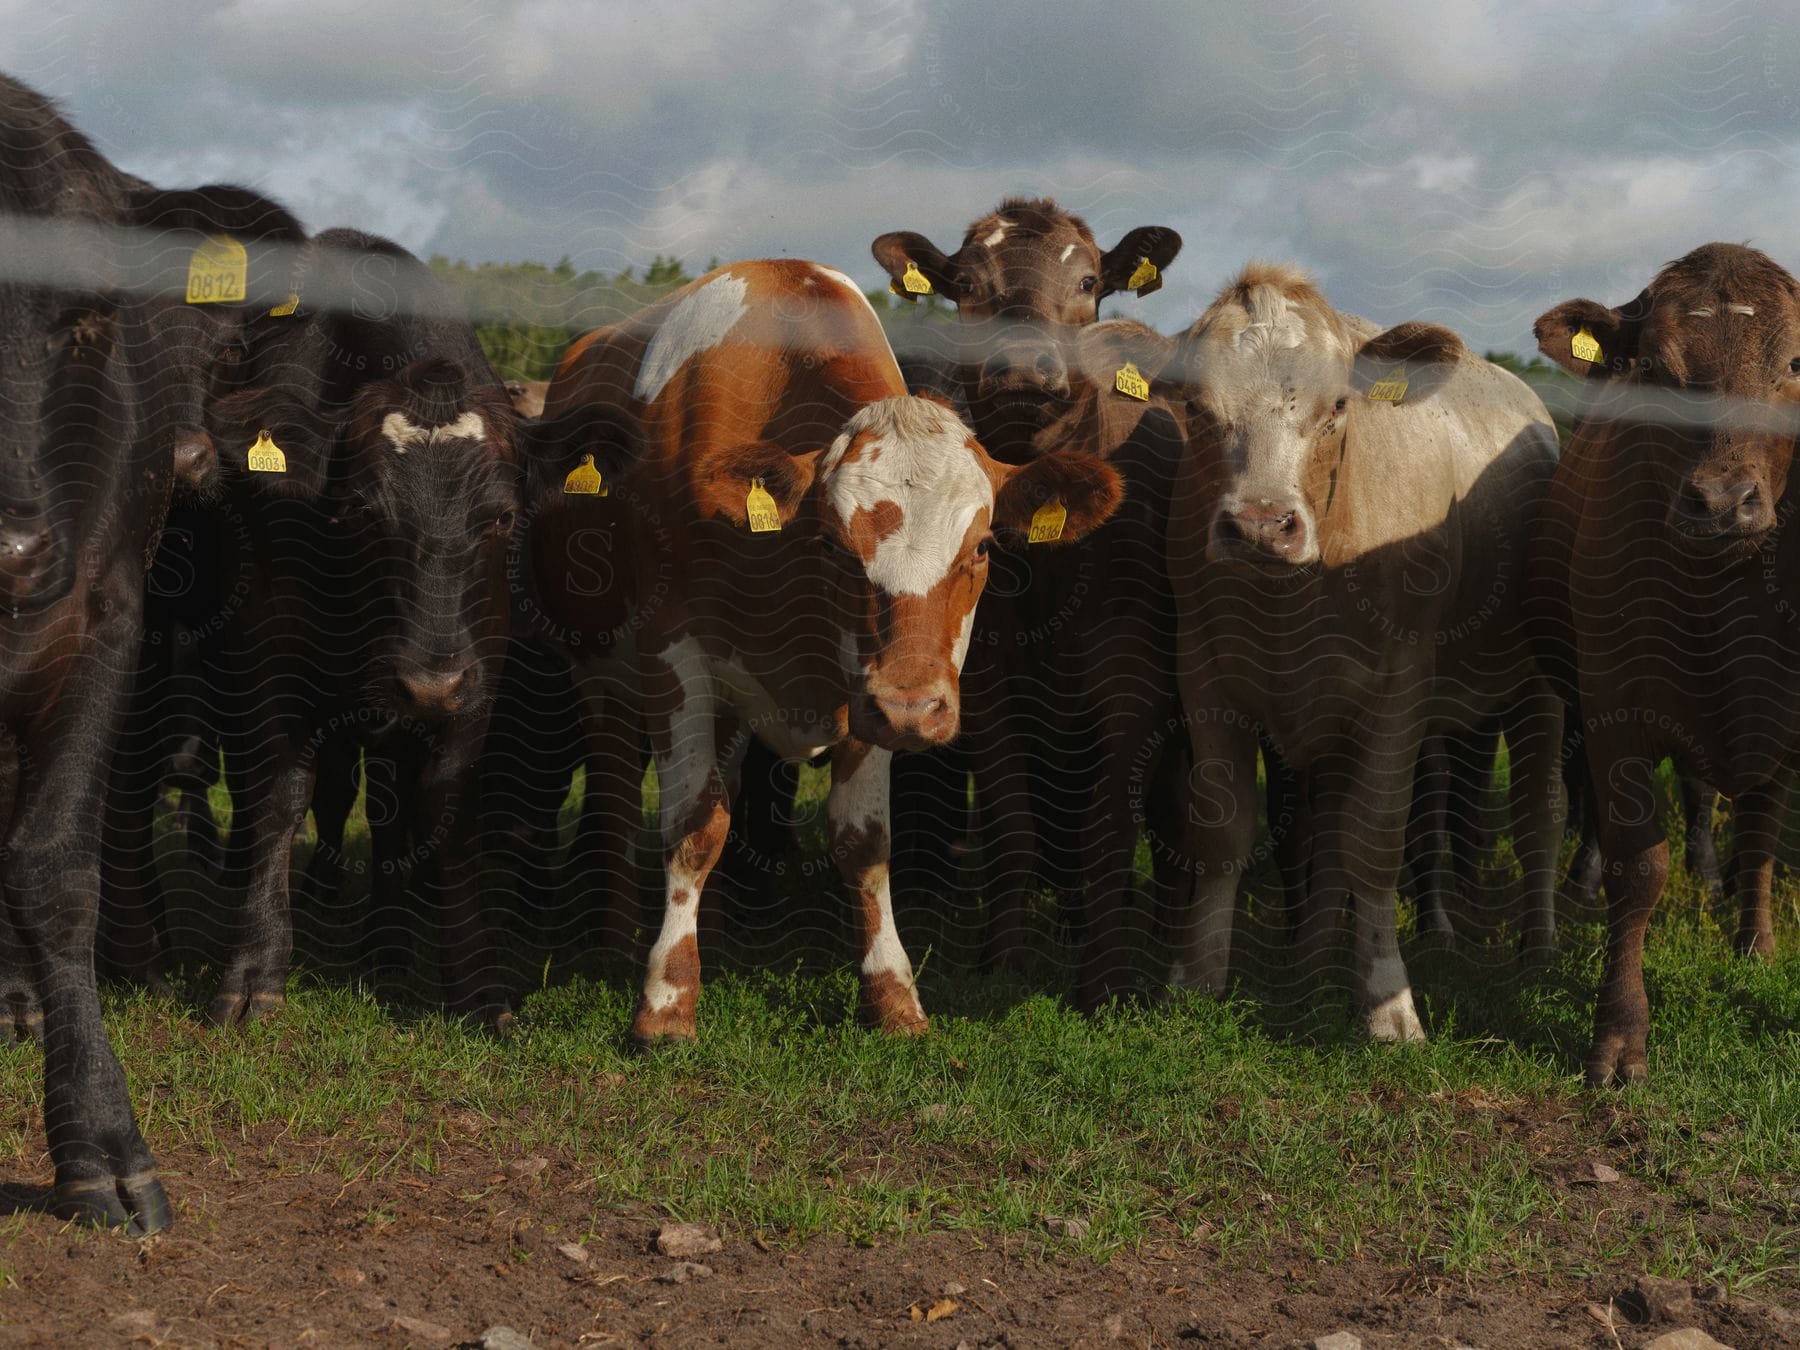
(1088, 284)
(1794, 366)
(504, 522)
(1340, 405)
(983, 548)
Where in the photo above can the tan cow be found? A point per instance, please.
(801, 552)
(1345, 543)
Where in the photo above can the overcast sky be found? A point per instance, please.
(1464, 162)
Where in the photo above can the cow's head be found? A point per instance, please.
(1276, 380)
(421, 475)
(1706, 364)
(204, 263)
(1024, 277)
(902, 509)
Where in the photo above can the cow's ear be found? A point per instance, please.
(1410, 361)
(580, 453)
(1086, 488)
(272, 442)
(724, 481)
(898, 250)
(1120, 263)
(1106, 347)
(1581, 336)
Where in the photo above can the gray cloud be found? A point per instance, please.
(1469, 164)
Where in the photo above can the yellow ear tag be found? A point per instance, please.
(894, 288)
(217, 271)
(286, 307)
(266, 456)
(760, 506)
(914, 280)
(1130, 383)
(1145, 279)
(584, 479)
(1389, 390)
(1584, 346)
(1047, 523)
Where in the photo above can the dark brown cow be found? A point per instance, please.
(839, 626)
(1071, 682)
(1670, 513)
(1346, 572)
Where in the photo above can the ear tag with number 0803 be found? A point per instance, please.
(1047, 523)
(765, 518)
(265, 456)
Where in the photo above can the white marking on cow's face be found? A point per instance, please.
(1741, 309)
(917, 456)
(698, 323)
(961, 649)
(999, 233)
(404, 433)
(1067, 250)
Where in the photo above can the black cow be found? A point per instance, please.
(377, 617)
(83, 495)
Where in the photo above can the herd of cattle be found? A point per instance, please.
(731, 531)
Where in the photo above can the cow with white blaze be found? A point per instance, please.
(1346, 544)
(802, 546)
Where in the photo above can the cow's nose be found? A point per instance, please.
(435, 692)
(196, 461)
(919, 715)
(1268, 529)
(1723, 507)
(24, 551)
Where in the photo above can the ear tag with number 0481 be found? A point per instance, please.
(1390, 389)
(765, 517)
(1129, 382)
(1047, 523)
(265, 456)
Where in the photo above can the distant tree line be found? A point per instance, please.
(526, 314)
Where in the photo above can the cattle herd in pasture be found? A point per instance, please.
(268, 507)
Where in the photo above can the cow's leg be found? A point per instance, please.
(445, 817)
(687, 729)
(857, 811)
(1701, 855)
(1427, 835)
(997, 730)
(1628, 815)
(1290, 834)
(1468, 811)
(20, 1016)
(397, 853)
(129, 940)
(929, 802)
(1222, 835)
(1533, 741)
(339, 770)
(277, 787)
(1756, 818)
(1363, 798)
(104, 1171)
(604, 854)
(1585, 868)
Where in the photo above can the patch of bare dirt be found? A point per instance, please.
(270, 1256)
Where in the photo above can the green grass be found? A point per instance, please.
(1260, 1127)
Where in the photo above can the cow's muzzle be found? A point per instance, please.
(1722, 512)
(906, 717)
(1264, 532)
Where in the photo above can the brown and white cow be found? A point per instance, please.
(843, 630)
(1346, 570)
(1671, 563)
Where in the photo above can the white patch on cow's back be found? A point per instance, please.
(697, 323)
(925, 467)
(405, 433)
(1067, 250)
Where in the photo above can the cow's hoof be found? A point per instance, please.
(1614, 1064)
(242, 1007)
(653, 1030)
(1395, 1020)
(136, 1203)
